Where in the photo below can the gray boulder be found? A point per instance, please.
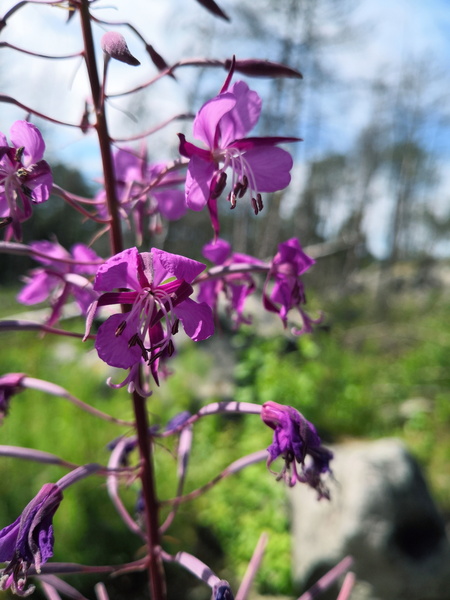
(382, 514)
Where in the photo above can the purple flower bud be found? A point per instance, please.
(29, 540)
(296, 440)
(222, 591)
(115, 46)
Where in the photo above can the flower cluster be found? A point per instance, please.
(156, 287)
(256, 163)
(63, 274)
(25, 178)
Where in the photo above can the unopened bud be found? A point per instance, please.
(115, 46)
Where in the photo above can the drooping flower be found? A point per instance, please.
(25, 178)
(296, 440)
(159, 297)
(145, 191)
(10, 384)
(63, 274)
(257, 164)
(287, 267)
(29, 540)
(236, 286)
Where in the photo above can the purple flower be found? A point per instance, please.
(160, 289)
(235, 286)
(10, 384)
(257, 164)
(296, 440)
(145, 191)
(24, 176)
(62, 275)
(29, 540)
(288, 292)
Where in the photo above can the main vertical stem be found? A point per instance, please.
(155, 567)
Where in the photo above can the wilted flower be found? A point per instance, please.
(296, 440)
(287, 267)
(256, 163)
(29, 540)
(24, 177)
(61, 276)
(160, 288)
(10, 384)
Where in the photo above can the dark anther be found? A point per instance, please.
(259, 202)
(170, 348)
(220, 185)
(255, 206)
(175, 327)
(19, 153)
(237, 190)
(120, 328)
(135, 340)
(232, 200)
(22, 173)
(26, 190)
(244, 186)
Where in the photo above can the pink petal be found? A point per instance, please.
(120, 271)
(271, 168)
(82, 253)
(38, 288)
(114, 349)
(217, 252)
(197, 319)
(244, 116)
(28, 136)
(208, 117)
(168, 265)
(40, 181)
(171, 204)
(198, 182)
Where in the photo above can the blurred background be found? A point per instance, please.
(369, 200)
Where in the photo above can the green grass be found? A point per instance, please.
(362, 377)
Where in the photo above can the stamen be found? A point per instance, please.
(19, 153)
(259, 202)
(120, 328)
(254, 206)
(136, 340)
(244, 186)
(220, 185)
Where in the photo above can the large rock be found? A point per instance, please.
(382, 514)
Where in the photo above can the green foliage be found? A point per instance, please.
(357, 377)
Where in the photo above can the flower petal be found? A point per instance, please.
(115, 349)
(198, 182)
(120, 271)
(168, 265)
(197, 319)
(244, 116)
(26, 135)
(217, 252)
(208, 117)
(171, 204)
(271, 168)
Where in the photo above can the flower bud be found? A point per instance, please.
(115, 46)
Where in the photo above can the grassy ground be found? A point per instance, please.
(361, 375)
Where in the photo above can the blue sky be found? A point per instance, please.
(393, 34)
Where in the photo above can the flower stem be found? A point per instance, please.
(155, 568)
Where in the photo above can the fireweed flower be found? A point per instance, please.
(10, 384)
(29, 540)
(144, 191)
(286, 269)
(235, 286)
(60, 277)
(257, 164)
(296, 440)
(159, 284)
(24, 177)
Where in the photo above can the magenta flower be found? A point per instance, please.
(29, 540)
(287, 267)
(236, 286)
(257, 164)
(145, 191)
(24, 177)
(296, 440)
(160, 286)
(62, 275)
(10, 384)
